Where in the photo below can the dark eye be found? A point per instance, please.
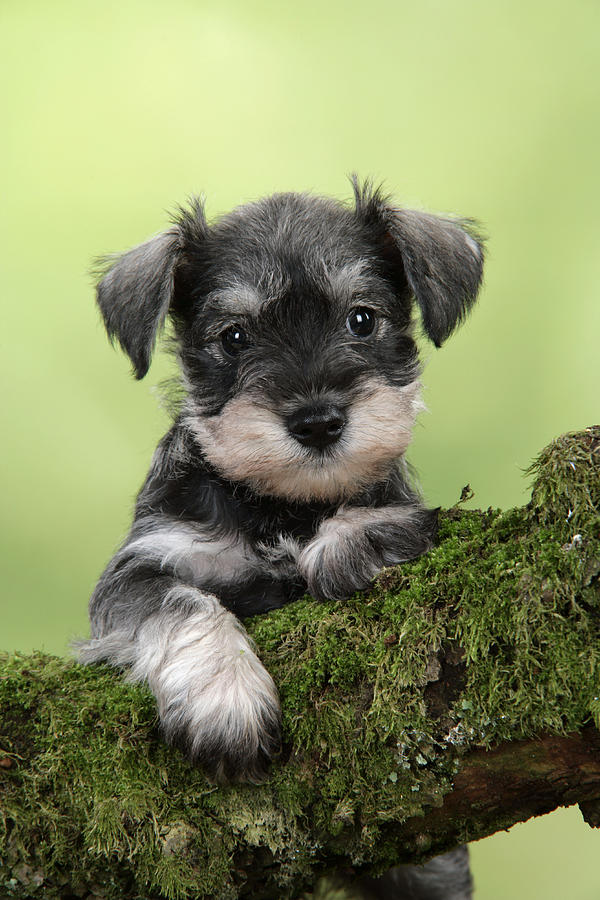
(361, 321)
(234, 339)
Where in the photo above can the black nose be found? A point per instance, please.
(316, 426)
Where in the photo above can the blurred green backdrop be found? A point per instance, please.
(112, 113)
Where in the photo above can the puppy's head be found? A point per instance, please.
(293, 322)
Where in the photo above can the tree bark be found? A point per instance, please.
(458, 696)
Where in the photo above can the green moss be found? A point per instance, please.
(564, 495)
(509, 601)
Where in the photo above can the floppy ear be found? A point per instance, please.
(135, 294)
(440, 260)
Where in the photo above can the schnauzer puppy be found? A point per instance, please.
(283, 472)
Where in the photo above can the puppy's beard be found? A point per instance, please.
(248, 442)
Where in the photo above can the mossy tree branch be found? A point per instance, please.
(460, 695)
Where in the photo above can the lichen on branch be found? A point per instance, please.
(397, 706)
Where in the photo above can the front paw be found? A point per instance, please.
(217, 701)
(229, 722)
(350, 548)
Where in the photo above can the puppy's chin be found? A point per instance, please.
(248, 442)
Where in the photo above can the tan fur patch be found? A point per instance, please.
(249, 442)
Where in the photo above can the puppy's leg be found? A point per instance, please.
(446, 877)
(351, 547)
(214, 696)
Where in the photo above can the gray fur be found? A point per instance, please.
(351, 547)
(135, 294)
(441, 258)
(446, 877)
(443, 263)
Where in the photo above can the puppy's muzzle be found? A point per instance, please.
(316, 426)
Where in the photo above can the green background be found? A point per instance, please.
(114, 112)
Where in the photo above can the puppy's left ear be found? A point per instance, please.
(439, 261)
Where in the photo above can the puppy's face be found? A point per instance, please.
(293, 323)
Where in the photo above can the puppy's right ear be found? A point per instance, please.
(136, 290)
(135, 293)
